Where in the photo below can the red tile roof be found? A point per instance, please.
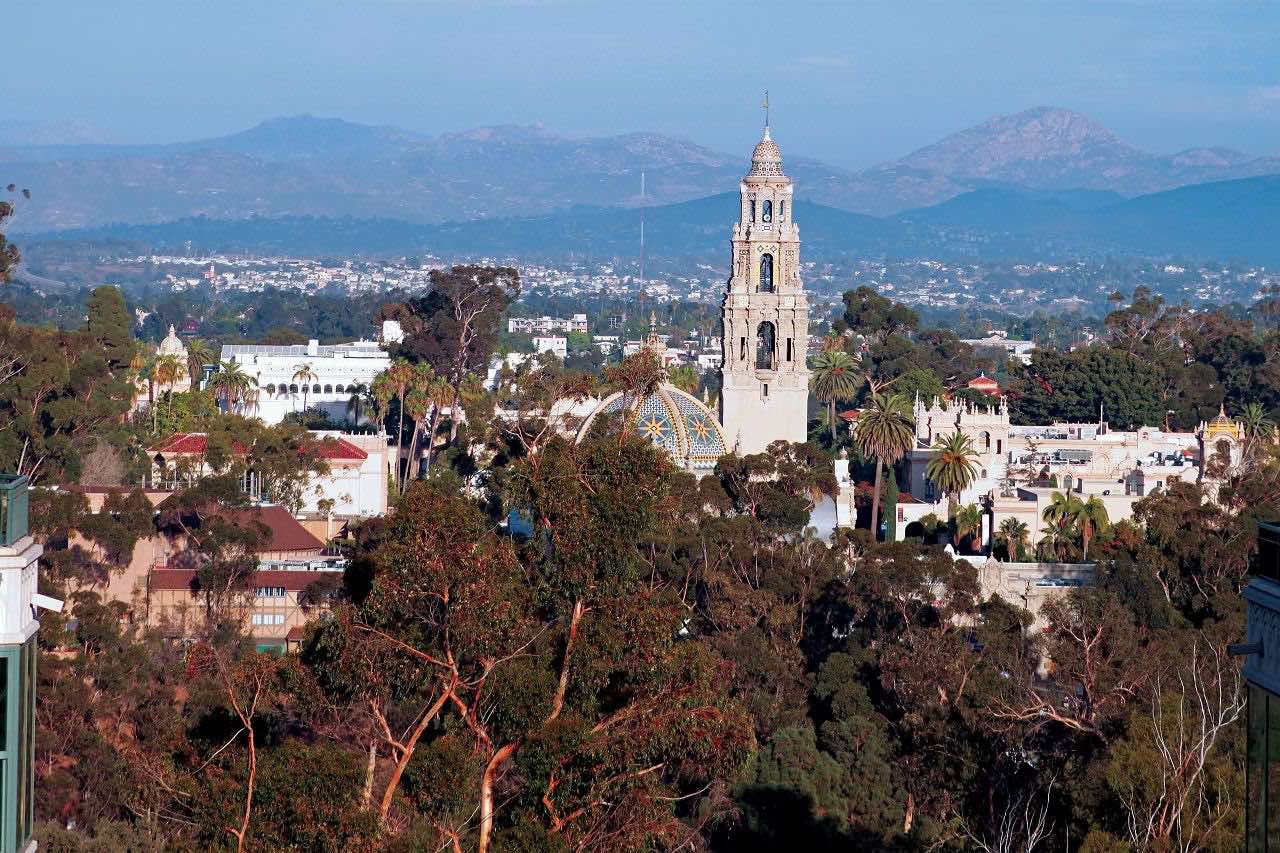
(286, 534)
(180, 579)
(851, 415)
(339, 448)
(192, 442)
(197, 443)
(984, 382)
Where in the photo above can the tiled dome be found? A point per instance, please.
(672, 419)
(171, 345)
(766, 160)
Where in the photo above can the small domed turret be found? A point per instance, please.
(766, 160)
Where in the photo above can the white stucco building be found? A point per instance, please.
(1020, 468)
(331, 374)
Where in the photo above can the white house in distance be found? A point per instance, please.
(356, 483)
(557, 345)
(339, 371)
(1019, 468)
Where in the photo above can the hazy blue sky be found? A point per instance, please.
(852, 83)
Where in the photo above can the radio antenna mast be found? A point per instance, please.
(642, 206)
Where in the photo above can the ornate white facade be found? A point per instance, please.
(765, 393)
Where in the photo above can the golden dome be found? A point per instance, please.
(1223, 425)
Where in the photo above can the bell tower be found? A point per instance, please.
(765, 313)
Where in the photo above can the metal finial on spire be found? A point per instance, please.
(766, 110)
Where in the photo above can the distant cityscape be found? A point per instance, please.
(1017, 288)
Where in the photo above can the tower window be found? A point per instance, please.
(753, 210)
(742, 349)
(788, 349)
(765, 390)
(767, 215)
(782, 210)
(766, 272)
(765, 354)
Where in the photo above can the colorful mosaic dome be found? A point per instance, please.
(672, 419)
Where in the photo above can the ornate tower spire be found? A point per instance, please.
(765, 312)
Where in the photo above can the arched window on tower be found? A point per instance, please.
(766, 272)
(765, 347)
(782, 210)
(767, 214)
(753, 210)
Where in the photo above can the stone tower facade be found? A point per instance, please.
(765, 391)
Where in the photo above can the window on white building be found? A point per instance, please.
(267, 619)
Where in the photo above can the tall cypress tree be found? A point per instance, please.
(110, 326)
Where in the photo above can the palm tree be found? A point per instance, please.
(380, 394)
(1091, 517)
(835, 377)
(400, 378)
(231, 385)
(417, 404)
(951, 466)
(684, 377)
(143, 369)
(440, 393)
(1050, 539)
(167, 370)
(1256, 425)
(199, 354)
(968, 520)
(884, 431)
(1063, 509)
(354, 404)
(1015, 534)
(304, 376)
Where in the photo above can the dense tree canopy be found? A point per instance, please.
(557, 646)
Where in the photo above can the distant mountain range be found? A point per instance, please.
(306, 166)
(1220, 220)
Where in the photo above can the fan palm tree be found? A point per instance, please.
(951, 465)
(199, 354)
(685, 377)
(143, 369)
(380, 394)
(354, 405)
(1015, 534)
(1051, 537)
(400, 377)
(440, 393)
(1091, 517)
(231, 385)
(1256, 425)
(417, 405)
(885, 431)
(1063, 509)
(834, 377)
(304, 376)
(168, 369)
(968, 520)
